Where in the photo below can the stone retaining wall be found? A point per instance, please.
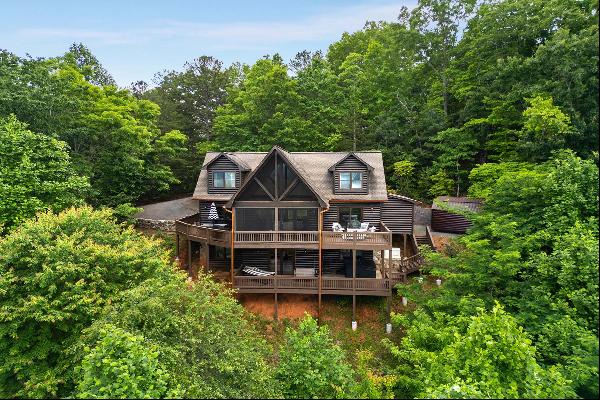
(158, 224)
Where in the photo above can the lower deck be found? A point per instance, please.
(310, 285)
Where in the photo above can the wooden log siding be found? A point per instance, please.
(397, 215)
(371, 213)
(307, 258)
(259, 258)
(351, 164)
(442, 221)
(333, 263)
(223, 164)
(205, 210)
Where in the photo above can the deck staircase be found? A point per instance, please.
(421, 239)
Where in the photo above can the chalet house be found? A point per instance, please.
(299, 222)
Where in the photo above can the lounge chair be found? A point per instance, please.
(256, 271)
(336, 227)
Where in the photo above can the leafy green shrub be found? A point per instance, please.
(485, 356)
(124, 366)
(311, 365)
(205, 342)
(57, 273)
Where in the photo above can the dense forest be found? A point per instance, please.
(496, 99)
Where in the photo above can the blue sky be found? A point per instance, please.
(135, 39)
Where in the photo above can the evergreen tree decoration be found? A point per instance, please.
(212, 213)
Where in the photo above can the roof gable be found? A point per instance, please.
(292, 165)
(351, 154)
(231, 157)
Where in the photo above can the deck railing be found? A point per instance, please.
(211, 235)
(277, 236)
(383, 238)
(312, 283)
(349, 239)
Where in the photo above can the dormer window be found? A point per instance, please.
(224, 179)
(351, 180)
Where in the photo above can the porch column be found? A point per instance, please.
(207, 259)
(382, 262)
(189, 257)
(353, 287)
(320, 222)
(389, 268)
(404, 255)
(232, 243)
(275, 287)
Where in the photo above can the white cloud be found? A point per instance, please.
(236, 35)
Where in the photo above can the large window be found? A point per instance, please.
(298, 219)
(351, 180)
(223, 179)
(350, 217)
(255, 219)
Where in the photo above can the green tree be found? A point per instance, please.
(112, 136)
(484, 356)
(545, 128)
(311, 365)
(265, 109)
(123, 366)
(36, 174)
(534, 248)
(87, 63)
(57, 272)
(206, 344)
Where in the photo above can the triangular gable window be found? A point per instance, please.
(262, 186)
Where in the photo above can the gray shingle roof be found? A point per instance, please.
(314, 166)
(457, 203)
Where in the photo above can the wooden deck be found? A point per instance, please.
(381, 240)
(303, 285)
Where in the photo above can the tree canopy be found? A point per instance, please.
(36, 174)
(57, 272)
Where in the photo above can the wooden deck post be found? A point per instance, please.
(207, 266)
(382, 263)
(189, 257)
(320, 222)
(389, 269)
(232, 244)
(404, 250)
(275, 287)
(354, 282)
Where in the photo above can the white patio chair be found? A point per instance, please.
(336, 227)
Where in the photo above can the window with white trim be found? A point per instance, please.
(223, 179)
(351, 180)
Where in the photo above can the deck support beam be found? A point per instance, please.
(389, 308)
(232, 244)
(189, 257)
(320, 226)
(354, 286)
(207, 266)
(404, 249)
(275, 284)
